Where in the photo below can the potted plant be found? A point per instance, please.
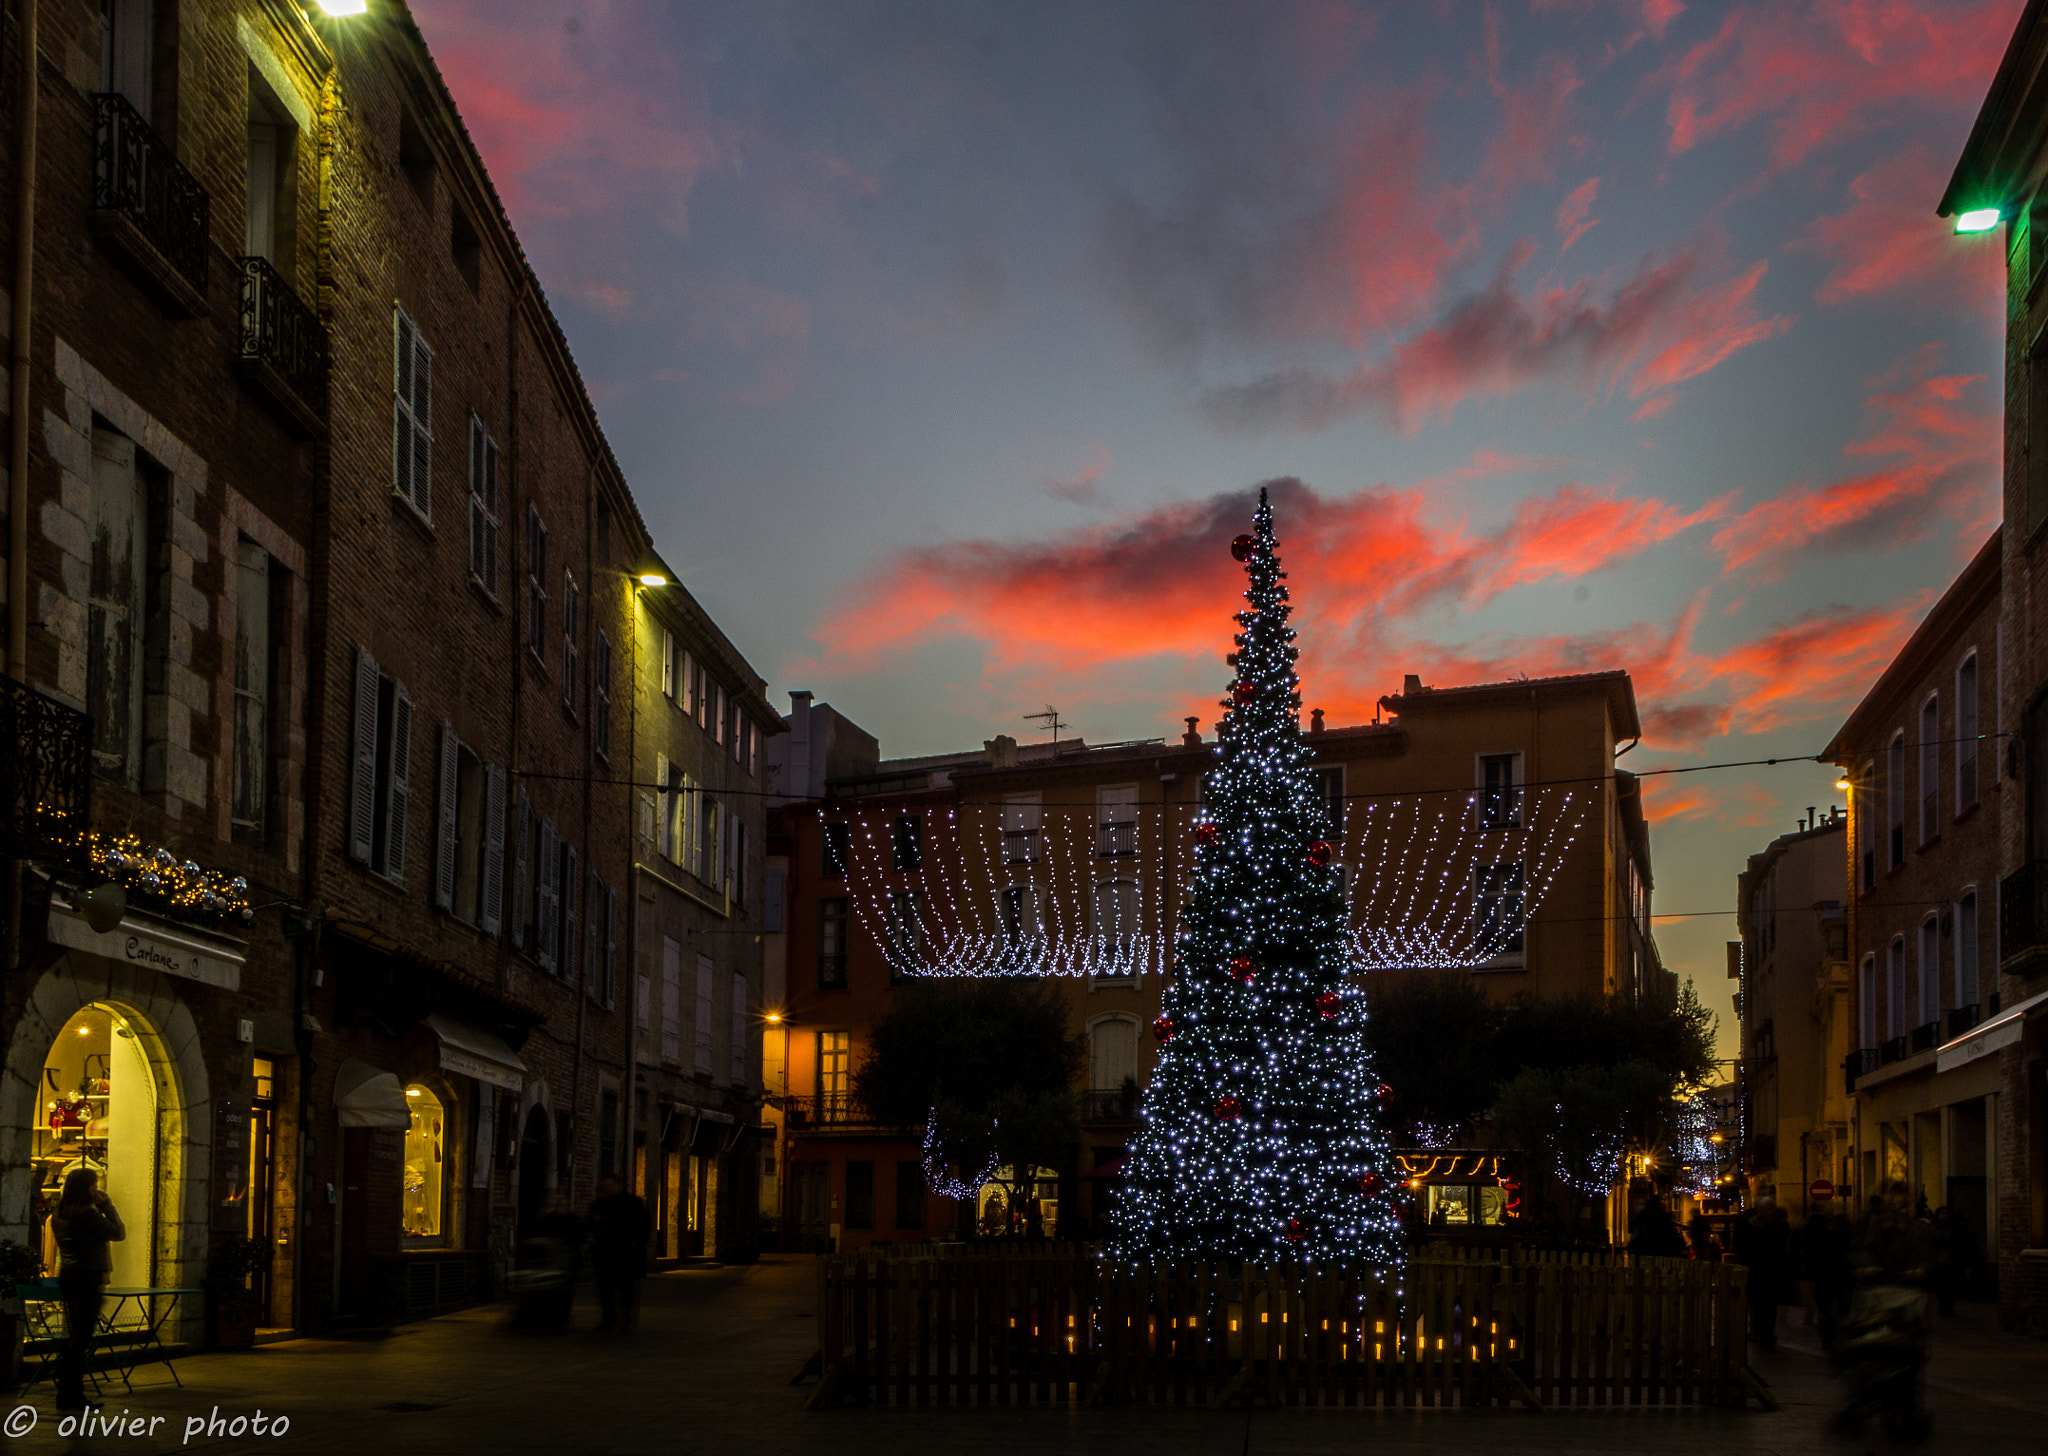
(19, 1265)
(230, 1306)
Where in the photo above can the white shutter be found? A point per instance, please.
(444, 849)
(494, 849)
(668, 664)
(739, 1030)
(545, 870)
(643, 1001)
(705, 1013)
(661, 828)
(593, 945)
(401, 784)
(611, 944)
(362, 821)
(571, 891)
(522, 866)
(687, 692)
(422, 427)
(401, 409)
(671, 1002)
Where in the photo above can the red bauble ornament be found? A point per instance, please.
(1241, 970)
(1367, 1182)
(1243, 692)
(1328, 1004)
(1385, 1092)
(1241, 547)
(1163, 1028)
(1297, 1231)
(1319, 853)
(1227, 1109)
(1206, 834)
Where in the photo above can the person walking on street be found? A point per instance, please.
(1763, 1242)
(1825, 1249)
(84, 1225)
(1700, 1235)
(1651, 1231)
(619, 1230)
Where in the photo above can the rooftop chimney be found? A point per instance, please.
(800, 783)
(1315, 721)
(1000, 751)
(1411, 684)
(1193, 737)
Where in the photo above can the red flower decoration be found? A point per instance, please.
(1241, 970)
(1319, 853)
(1163, 1028)
(1206, 834)
(1329, 1003)
(1367, 1182)
(1227, 1109)
(1297, 1231)
(1241, 547)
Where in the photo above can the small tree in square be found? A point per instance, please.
(1261, 1134)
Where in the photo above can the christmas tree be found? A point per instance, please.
(1261, 1136)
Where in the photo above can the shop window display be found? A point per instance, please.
(426, 1153)
(1464, 1205)
(99, 1110)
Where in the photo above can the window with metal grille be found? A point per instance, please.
(1497, 909)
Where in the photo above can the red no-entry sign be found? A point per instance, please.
(1820, 1190)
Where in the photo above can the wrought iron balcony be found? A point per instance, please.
(1117, 840)
(148, 205)
(45, 775)
(832, 1109)
(1963, 1019)
(2023, 911)
(1893, 1050)
(1857, 1064)
(284, 346)
(1926, 1035)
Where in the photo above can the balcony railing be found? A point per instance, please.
(1115, 1104)
(283, 343)
(2023, 910)
(1117, 840)
(138, 180)
(1893, 1050)
(1020, 846)
(1963, 1019)
(832, 1109)
(1859, 1063)
(45, 775)
(1926, 1035)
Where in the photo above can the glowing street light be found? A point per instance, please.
(1979, 220)
(342, 8)
(653, 578)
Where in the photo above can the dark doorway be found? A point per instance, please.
(534, 1163)
(812, 1198)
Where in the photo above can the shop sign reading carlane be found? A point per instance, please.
(151, 946)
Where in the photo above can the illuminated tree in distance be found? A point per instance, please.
(1261, 1136)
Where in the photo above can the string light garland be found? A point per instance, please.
(156, 874)
(960, 1190)
(1259, 1134)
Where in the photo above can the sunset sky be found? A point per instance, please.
(945, 345)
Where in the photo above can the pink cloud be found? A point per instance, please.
(1888, 243)
(1818, 71)
(1082, 487)
(1574, 214)
(1942, 463)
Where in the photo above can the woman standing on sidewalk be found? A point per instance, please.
(84, 1224)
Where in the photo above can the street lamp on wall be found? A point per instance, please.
(341, 9)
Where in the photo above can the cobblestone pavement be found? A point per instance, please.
(709, 1371)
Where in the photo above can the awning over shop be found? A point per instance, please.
(470, 1051)
(367, 1097)
(154, 944)
(1999, 1032)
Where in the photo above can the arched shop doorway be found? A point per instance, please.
(99, 1107)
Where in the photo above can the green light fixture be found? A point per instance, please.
(1979, 220)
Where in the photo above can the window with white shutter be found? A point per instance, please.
(397, 755)
(706, 1012)
(483, 508)
(739, 1030)
(536, 585)
(412, 434)
(593, 933)
(662, 839)
(668, 664)
(601, 695)
(643, 1002)
(671, 1003)
(572, 656)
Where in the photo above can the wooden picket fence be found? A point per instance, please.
(1557, 1330)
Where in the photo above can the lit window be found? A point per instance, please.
(426, 1151)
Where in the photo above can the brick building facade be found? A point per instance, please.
(332, 574)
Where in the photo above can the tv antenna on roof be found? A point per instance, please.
(1052, 721)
